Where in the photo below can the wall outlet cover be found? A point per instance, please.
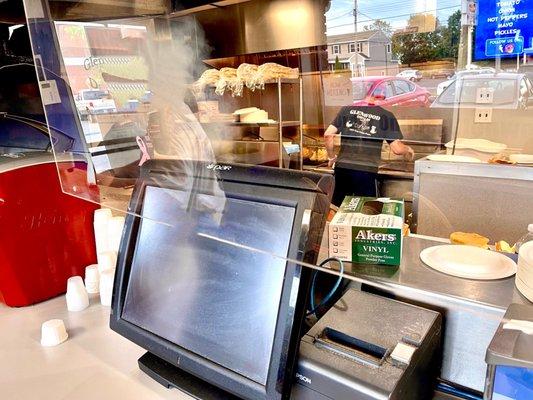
(483, 115)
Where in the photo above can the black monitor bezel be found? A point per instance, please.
(239, 182)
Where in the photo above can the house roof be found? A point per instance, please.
(350, 37)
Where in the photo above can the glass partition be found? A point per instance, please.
(429, 102)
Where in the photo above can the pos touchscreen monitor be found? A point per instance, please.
(207, 280)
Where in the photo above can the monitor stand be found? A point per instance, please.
(171, 376)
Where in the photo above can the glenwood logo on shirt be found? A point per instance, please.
(369, 235)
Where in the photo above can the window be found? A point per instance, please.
(384, 89)
(389, 48)
(403, 87)
(351, 47)
(505, 91)
(336, 48)
(359, 47)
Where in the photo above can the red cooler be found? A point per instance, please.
(46, 236)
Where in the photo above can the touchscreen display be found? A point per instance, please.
(197, 282)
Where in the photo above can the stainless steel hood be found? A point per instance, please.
(262, 25)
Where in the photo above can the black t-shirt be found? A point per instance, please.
(363, 130)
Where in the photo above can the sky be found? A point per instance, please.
(340, 18)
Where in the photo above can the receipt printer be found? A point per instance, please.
(370, 347)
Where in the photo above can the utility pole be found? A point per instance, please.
(355, 15)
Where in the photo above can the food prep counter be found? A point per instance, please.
(472, 310)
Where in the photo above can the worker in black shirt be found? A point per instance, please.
(362, 130)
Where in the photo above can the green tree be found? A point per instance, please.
(337, 66)
(439, 44)
(379, 25)
(450, 37)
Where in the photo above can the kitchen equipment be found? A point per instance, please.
(468, 262)
(510, 356)
(369, 347)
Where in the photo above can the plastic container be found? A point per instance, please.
(46, 235)
(528, 237)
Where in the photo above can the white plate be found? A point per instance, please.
(521, 158)
(477, 144)
(524, 289)
(453, 158)
(468, 262)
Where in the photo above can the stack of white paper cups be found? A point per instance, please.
(77, 297)
(106, 261)
(524, 274)
(92, 278)
(114, 233)
(101, 234)
(106, 286)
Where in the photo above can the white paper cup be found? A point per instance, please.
(106, 261)
(106, 286)
(77, 297)
(53, 332)
(92, 279)
(101, 236)
(114, 232)
(102, 215)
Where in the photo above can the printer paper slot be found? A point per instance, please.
(351, 347)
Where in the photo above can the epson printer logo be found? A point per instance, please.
(303, 378)
(217, 167)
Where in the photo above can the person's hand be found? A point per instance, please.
(410, 155)
(331, 161)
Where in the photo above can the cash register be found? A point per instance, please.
(210, 282)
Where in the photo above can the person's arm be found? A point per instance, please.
(401, 149)
(329, 141)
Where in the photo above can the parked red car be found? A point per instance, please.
(388, 91)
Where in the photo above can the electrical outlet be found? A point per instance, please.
(483, 115)
(485, 95)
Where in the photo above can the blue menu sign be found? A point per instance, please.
(504, 29)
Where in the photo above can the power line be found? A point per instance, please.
(393, 17)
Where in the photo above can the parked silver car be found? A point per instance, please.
(459, 74)
(509, 91)
(413, 75)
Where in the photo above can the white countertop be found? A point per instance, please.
(95, 363)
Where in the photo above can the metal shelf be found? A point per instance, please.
(254, 124)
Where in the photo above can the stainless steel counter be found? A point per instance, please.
(472, 310)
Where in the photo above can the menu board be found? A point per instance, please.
(504, 28)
